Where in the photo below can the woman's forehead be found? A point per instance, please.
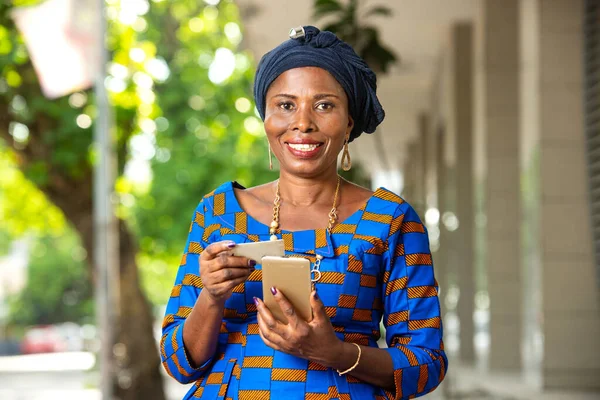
(305, 79)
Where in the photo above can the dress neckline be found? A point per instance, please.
(235, 184)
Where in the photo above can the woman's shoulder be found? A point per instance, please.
(216, 195)
(387, 201)
(255, 191)
(232, 187)
(231, 195)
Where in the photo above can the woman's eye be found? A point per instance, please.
(286, 105)
(324, 106)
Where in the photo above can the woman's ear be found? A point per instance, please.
(350, 125)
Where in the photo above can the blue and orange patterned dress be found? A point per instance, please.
(376, 264)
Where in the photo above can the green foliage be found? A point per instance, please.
(200, 133)
(23, 207)
(193, 132)
(57, 289)
(208, 132)
(5, 239)
(344, 20)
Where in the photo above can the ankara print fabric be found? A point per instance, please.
(376, 264)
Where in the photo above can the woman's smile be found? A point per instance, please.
(304, 149)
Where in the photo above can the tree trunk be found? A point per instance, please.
(137, 358)
(138, 368)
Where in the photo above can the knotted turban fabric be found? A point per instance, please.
(325, 50)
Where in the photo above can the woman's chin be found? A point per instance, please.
(304, 168)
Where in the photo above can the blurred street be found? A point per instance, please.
(64, 376)
(69, 376)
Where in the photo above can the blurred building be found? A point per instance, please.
(491, 133)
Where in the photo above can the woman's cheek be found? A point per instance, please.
(275, 123)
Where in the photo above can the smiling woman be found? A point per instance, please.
(368, 250)
(307, 120)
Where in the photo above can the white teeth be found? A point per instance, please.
(303, 147)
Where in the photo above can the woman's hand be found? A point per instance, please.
(314, 340)
(221, 271)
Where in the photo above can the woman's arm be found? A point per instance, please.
(220, 273)
(411, 308)
(195, 308)
(375, 365)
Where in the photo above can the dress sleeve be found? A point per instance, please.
(412, 308)
(183, 297)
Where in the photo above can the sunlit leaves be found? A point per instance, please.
(23, 207)
(25, 3)
(181, 129)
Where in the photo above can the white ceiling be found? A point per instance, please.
(417, 32)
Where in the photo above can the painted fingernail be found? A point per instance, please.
(251, 263)
(251, 269)
(316, 296)
(255, 300)
(231, 245)
(273, 290)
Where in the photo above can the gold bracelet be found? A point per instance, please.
(355, 364)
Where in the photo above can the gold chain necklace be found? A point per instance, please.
(332, 219)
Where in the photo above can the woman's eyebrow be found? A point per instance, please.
(316, 96)
(325, 95)
(285, 95)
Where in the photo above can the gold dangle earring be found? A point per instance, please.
(270, 158)
(346, 161)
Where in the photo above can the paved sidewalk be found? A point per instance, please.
(69, 376)
(469, 383)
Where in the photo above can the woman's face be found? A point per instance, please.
(307, 120)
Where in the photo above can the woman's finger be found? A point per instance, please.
(234, 282)
(270, 322)
(318, 309)
(213, 249)
(266, 340)
(225, 260)
(228, 274)
(286, 307)
(223, 288)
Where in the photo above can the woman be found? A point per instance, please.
(315, 96)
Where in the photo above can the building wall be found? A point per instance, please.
(528, 157)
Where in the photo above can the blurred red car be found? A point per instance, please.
(43, 339)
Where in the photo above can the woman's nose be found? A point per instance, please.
(303, 120)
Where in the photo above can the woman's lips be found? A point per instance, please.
(304, 150)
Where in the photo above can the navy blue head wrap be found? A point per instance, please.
(325, 50)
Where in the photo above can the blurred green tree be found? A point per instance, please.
(58, 288)
(185, 123)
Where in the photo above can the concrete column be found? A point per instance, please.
(555, 186)
(461, 126)
(497, 70)
(420, 201)
(410, 170)
(415, 170)
(442, 265)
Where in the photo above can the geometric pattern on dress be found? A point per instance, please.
(376, 266)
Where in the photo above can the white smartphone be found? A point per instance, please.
(292, 277)
(257, 250)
